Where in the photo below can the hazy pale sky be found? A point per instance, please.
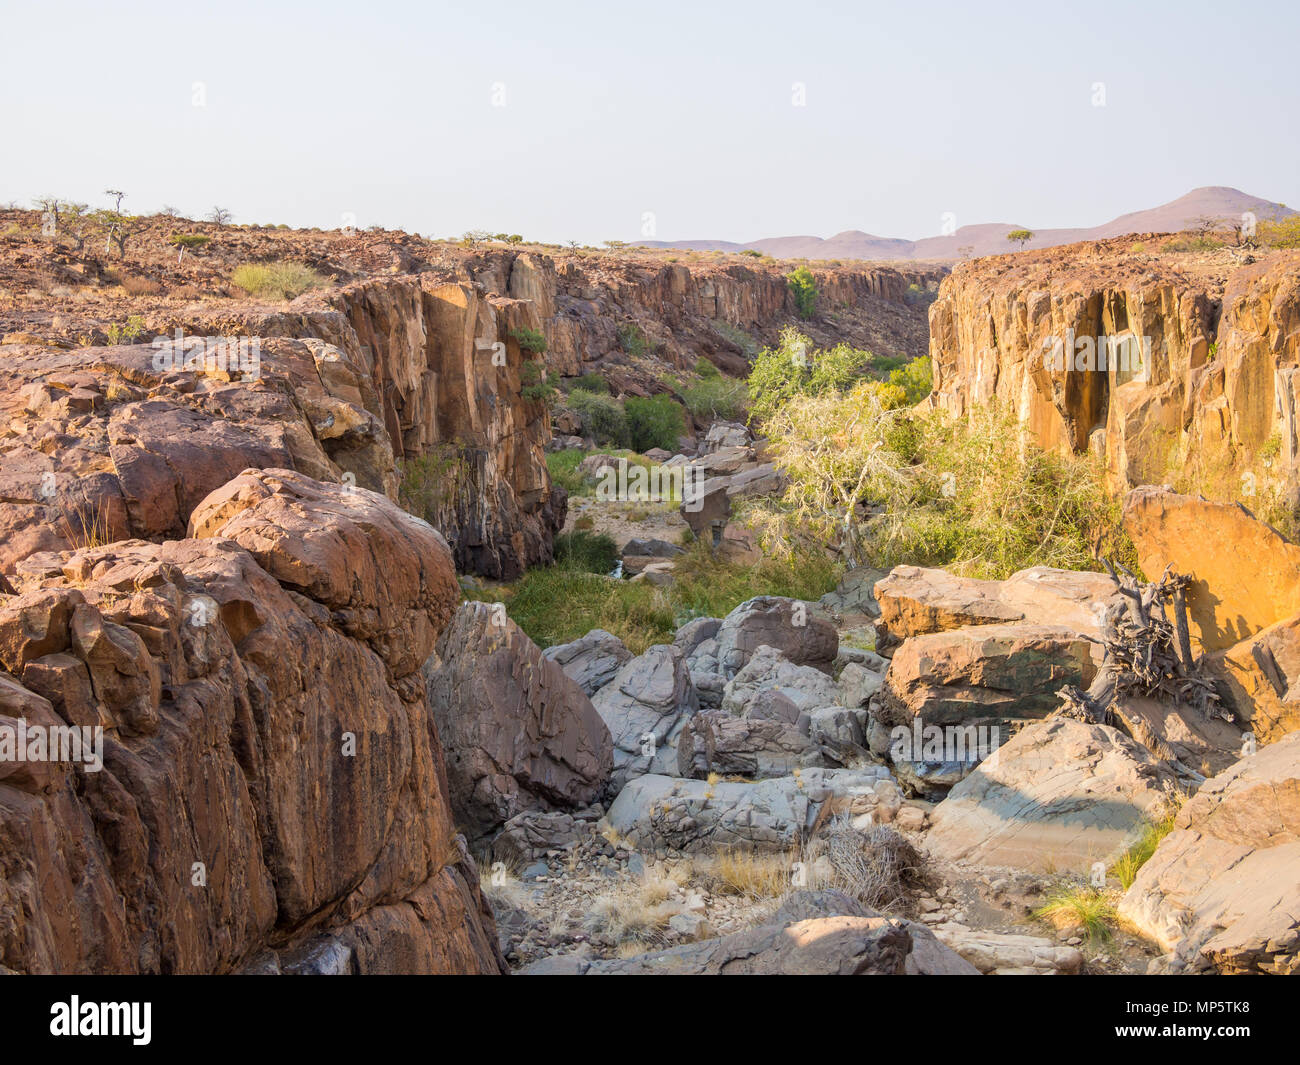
(564, 120)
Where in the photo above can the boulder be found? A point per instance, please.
(789, 625)
(1260, 679)
(519, 733)
(858, 684)
(644, 707)
(725, 435)
(1059, 795)
(767, 674)
(655, 548)
(706, 506)
(763, 480)
(915, 601)
(1206, 745)
(717, 742)
(592, 661)
(986, 674)
(1007, 953)
(656, 812)
(1245, 574)
(1222, 890)
(353, 550)
(695, 633)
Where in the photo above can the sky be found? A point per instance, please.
(596, 121)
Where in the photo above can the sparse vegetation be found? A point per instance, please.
(277, 280)
(1089, 909)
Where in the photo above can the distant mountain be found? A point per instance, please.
(990, 238)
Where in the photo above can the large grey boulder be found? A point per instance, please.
(645, 707)
(656, 812)
(518, 733)
(751, 692)
(789, 625)
(592, 660)
(1222, 891)
(716, 742)
(1060, 796)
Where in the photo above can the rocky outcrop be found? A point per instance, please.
(1060, 795)
(592, 660)
(1222, 890)
(410, 386)
(519, 733)
(1219, 383)
(272, 796)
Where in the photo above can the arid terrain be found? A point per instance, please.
(940, 658)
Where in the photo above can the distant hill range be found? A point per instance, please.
(990, 238)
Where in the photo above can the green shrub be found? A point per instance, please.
(429, 482)
(279, 280)
(587, 551)
(705, 368)
(716, 397)
(603, 418)
(793, 368)
(563, 468)
(803, 286)
(530, 340)
(915, 379)
(633, 340)
(534, 384)
(588, 382)
(653, 422)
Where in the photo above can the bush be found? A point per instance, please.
(586, 551)
(563, 468)
(893, 486)
(278, 280)
(793, 368)
(534, 384)
(588, 382)
(1283, 233)
(716, 397)
(632, 340)
(603, 417)
(530, 340)
(915, 379)
(705, 368)
(803, 286)
(653, 422)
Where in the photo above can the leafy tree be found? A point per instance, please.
(1021, 236)
(187, 241)
(803, 286)
(603, 417)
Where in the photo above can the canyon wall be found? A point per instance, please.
(1216, 398)
(692, 310)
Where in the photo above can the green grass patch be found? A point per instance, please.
(279, 280)
(560, 603)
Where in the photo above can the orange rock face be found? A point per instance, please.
(1217, 391)
(272, 789)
